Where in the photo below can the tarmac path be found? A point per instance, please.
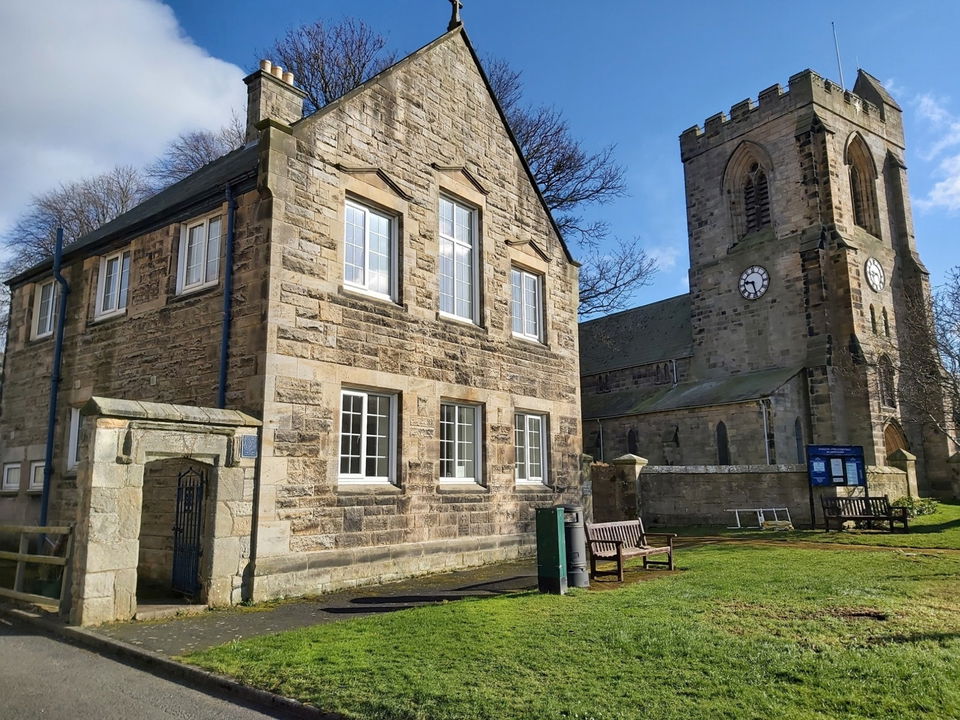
(44, 678)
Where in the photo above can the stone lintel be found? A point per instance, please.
(139, 410)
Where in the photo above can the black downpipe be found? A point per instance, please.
(227, 302)
(54, 377)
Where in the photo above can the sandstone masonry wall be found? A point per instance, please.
(397, 145)
(165, 348)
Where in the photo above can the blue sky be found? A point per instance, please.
(635, 74)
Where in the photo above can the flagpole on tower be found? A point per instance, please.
(836, 44)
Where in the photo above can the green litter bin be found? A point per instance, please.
(551, 551)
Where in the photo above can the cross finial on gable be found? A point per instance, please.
(455, 20)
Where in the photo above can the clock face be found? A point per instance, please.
(875, 276)
(754, 282)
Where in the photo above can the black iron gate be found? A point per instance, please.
(188, 531)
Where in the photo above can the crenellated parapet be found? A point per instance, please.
(804, 88)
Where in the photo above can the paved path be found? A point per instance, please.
(41, 677)
(182, 635)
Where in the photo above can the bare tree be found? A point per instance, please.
(928, 381)
(190, 151)
(571, 179)
(331, 60)
(609, 278)
(80, 207)
(911, 362)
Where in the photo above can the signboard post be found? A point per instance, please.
(835, 466)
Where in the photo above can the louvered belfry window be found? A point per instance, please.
(756, 200)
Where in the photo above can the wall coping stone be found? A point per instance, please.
(722, 469)
(138, 410)
(629, 459)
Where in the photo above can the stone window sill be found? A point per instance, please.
(461, 488)
(533, 487)
(368, 489)
(467, 325)
(194, 294)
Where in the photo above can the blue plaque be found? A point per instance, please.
(248, 446)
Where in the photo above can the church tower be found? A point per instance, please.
(802, 255)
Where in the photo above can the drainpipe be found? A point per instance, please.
(227, 301)
(54, 377)
(766, 443)
(600, 425)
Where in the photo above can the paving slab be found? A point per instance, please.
(185, 634)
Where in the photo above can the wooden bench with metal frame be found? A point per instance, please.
(865, 509)
(617, 541)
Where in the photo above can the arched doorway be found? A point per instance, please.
(173, 526)
(894, 439)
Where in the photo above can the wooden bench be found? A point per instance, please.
(861, 508)
(624, 539)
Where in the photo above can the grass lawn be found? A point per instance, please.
(739, 632)
(939, 530)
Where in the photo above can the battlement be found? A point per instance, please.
(803, 88)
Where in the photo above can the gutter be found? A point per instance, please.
(227, 301)
(54, 377)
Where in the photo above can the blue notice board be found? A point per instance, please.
(835, 465)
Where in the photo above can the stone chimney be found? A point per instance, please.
(271, 94)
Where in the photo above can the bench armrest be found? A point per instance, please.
(669, 537)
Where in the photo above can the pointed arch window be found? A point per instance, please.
(873, 320)
(886, 323)
(863, 191)
(756, 199)
(888, 389)
(723, 445)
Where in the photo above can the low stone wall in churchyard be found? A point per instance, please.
(703, 494)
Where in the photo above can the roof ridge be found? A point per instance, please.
(636, 308)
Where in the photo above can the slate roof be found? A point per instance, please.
(645, 334)
(178, 201)
(701, 393)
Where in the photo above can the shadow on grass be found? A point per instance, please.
(925, 529)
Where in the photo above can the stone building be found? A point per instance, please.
(806, 296)
(399, 377)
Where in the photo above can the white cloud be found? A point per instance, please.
(90, 84)
(945, 193)
(895, 88)
(666, 256)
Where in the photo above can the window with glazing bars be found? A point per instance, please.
(199, 264)
(459, 442)
(530, 446)
(526, 306)
(458, 261)
(367, 436)
(114, 284)
(368, 250)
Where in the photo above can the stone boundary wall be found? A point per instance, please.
(702, 494)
